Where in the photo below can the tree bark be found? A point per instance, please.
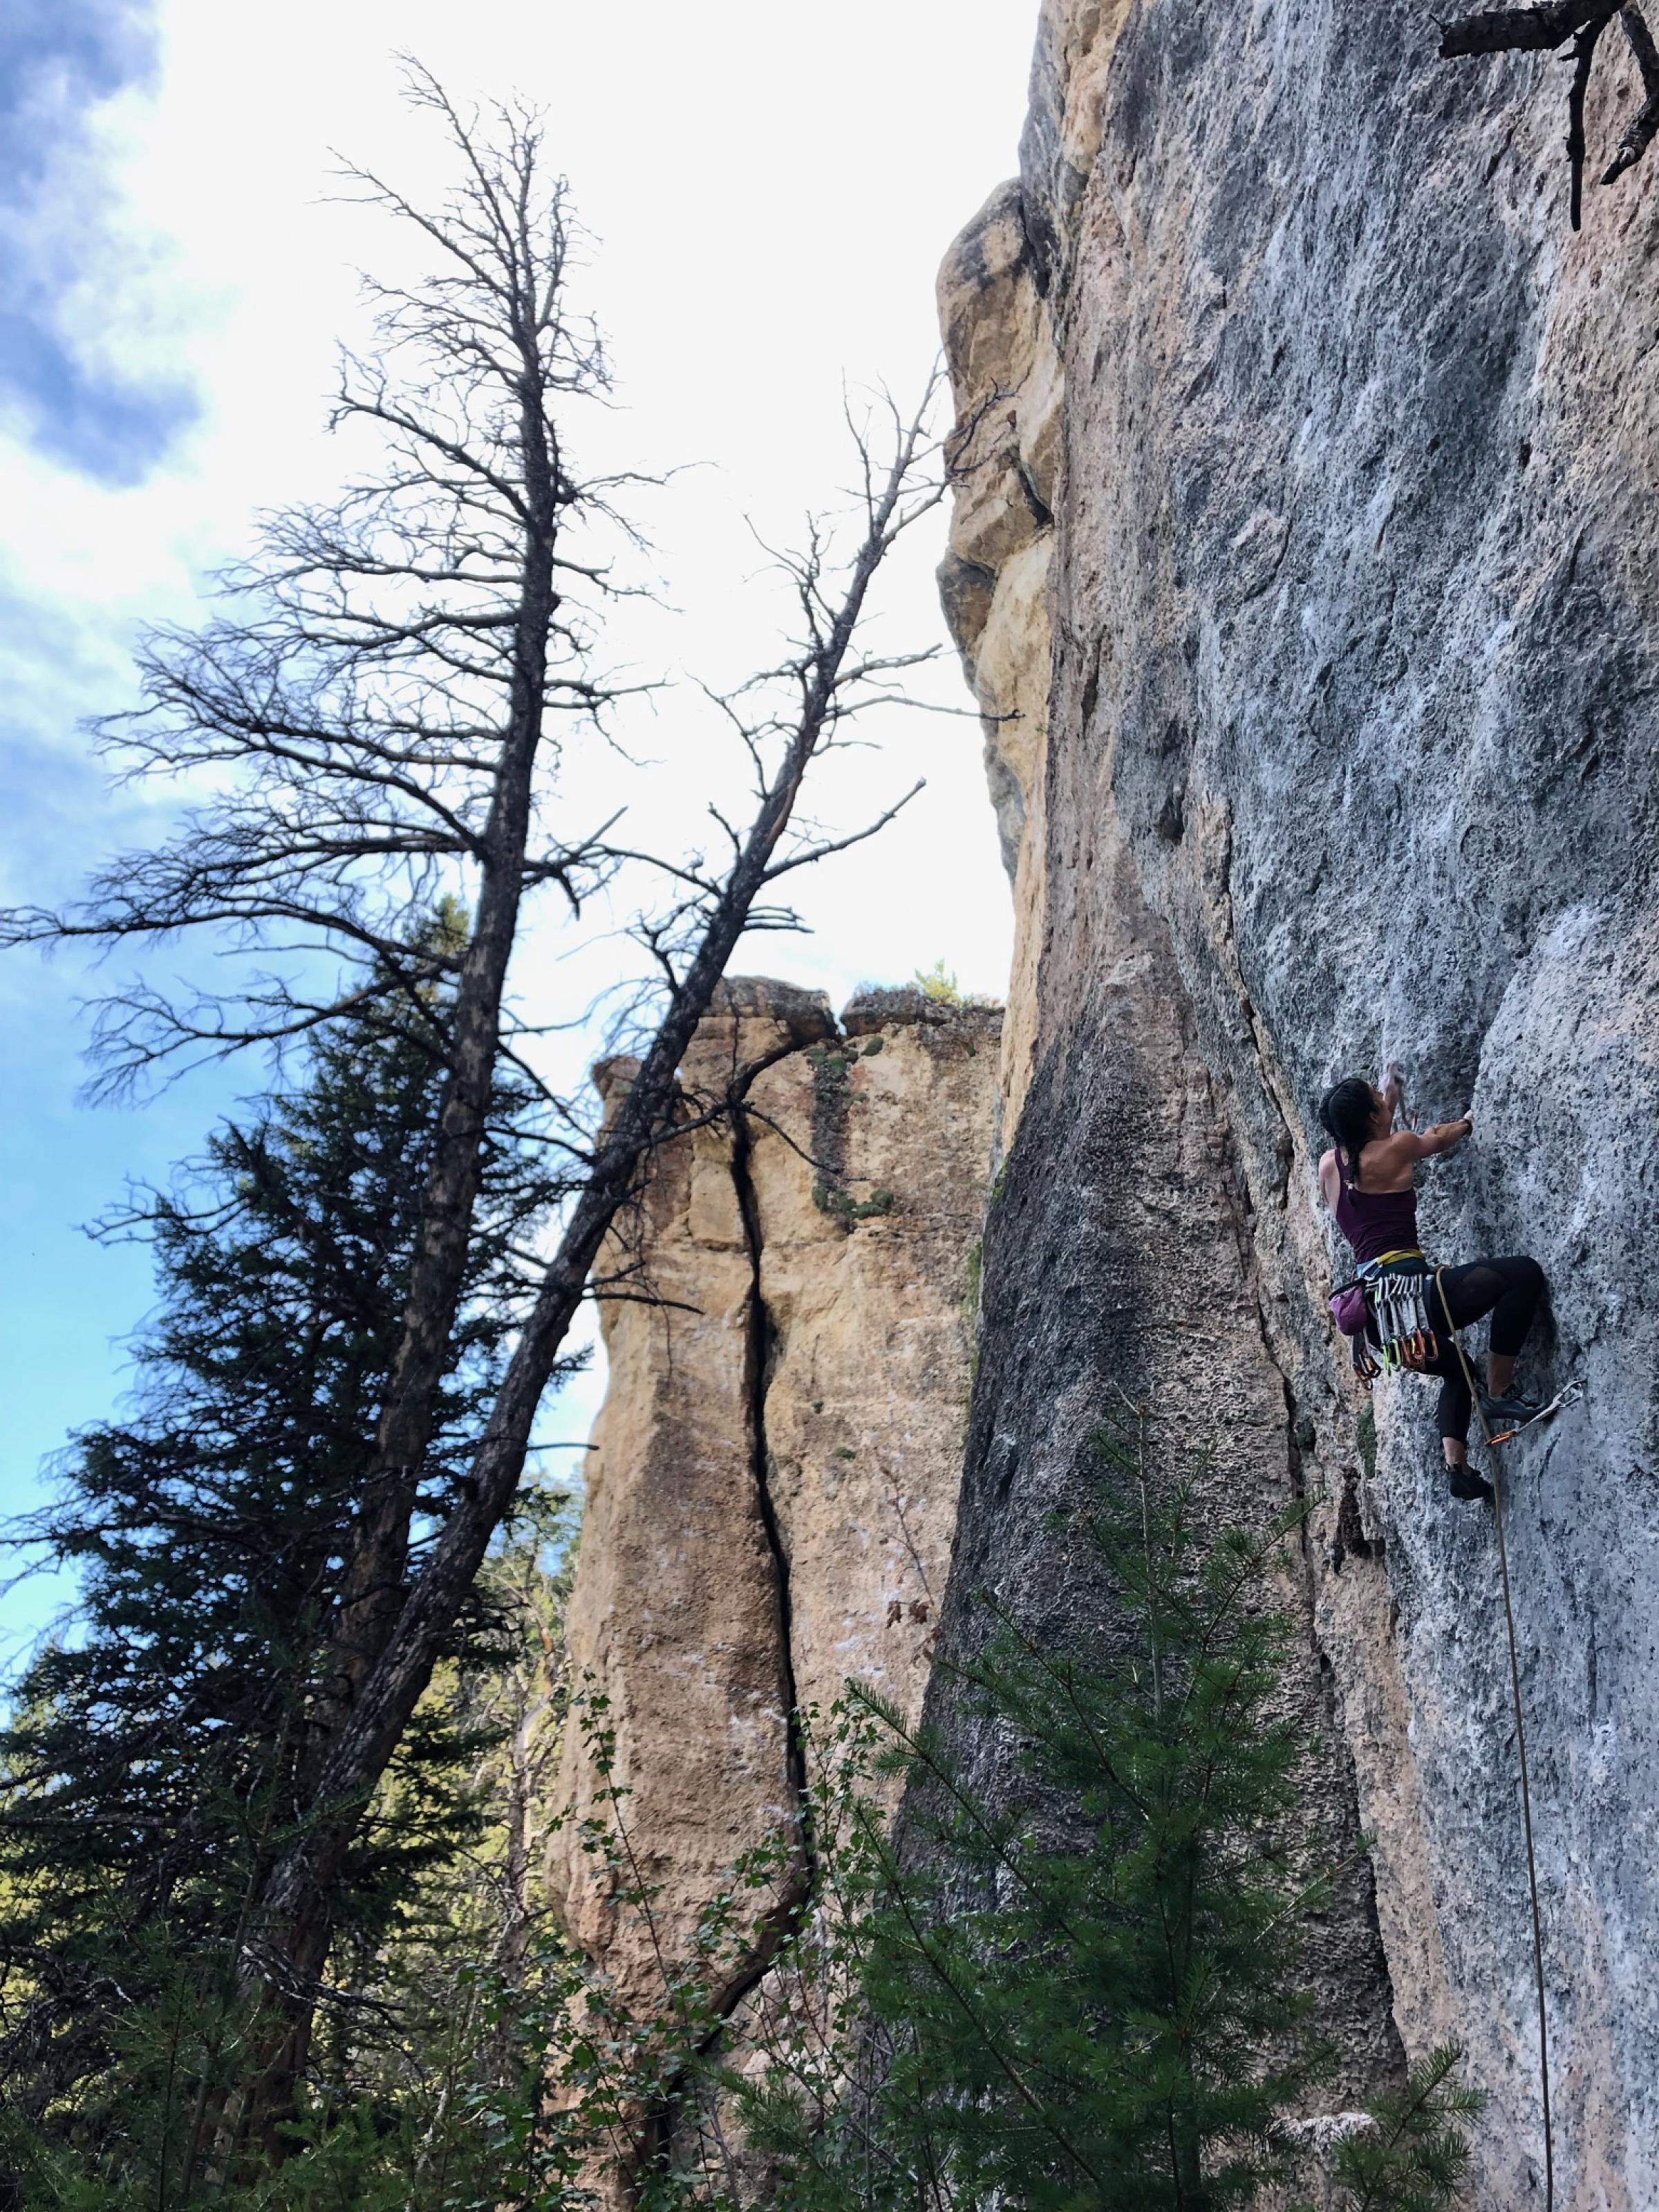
(297, 1903)
(372, 1588)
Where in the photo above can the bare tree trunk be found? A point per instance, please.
(516, 1871)
(372, 736)
(298, 1901)
(372, 1588)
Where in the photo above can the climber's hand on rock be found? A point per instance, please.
(1445, 1134)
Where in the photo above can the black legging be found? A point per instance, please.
(1510, 1290)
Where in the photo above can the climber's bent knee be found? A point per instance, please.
(1524, 1291)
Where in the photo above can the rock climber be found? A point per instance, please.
(1367, 1178)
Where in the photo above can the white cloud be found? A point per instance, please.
(770, 186)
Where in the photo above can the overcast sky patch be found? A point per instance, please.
(61, 62)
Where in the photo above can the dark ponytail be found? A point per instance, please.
(1346, 1110)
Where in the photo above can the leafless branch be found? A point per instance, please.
(810, 852)
(1639, 133)
(715, 914)
(372, 728)
(1549, 26)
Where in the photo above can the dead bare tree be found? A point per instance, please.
(832, 682)
(375, 719)
(1541, 29)
(376, 707)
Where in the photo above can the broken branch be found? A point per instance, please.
(1639, 136)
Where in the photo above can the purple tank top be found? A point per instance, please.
(1375, 1221)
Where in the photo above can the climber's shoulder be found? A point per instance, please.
(1387, 1162)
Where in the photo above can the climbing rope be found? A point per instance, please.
(1521, 1746)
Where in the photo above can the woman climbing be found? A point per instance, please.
(1367, 1179)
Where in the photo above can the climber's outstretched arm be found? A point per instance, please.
(1424, 1144)
(1389, 1160)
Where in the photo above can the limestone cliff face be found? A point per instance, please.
(1309, 529)
(771, 1502)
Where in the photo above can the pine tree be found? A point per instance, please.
(159, 1757)
(1091, 1992)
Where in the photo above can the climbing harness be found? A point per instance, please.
(1397, 1291)
(1391, 1295)
(1492, 1443)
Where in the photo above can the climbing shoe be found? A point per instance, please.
(1511, 1410)
(1464, 1482)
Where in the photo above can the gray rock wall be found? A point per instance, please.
(1350, 755)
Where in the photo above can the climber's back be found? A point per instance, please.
(1374, 1222)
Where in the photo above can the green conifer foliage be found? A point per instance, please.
(157, 1755)
(1092, 1993)
(1088, 1994)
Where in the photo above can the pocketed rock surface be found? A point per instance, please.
(1336, 448)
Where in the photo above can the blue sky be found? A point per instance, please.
(67, 1304)
(61, 61)
(770, 201)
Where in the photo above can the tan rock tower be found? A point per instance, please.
(773, 1495)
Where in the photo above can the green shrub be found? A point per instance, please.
(937, 984)
(841, 1206)
(1089, 1992)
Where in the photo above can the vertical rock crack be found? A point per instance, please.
(664, 2121)
(757, 1360)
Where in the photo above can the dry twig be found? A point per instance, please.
(1543, 28)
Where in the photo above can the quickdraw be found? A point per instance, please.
(1397, 1288)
